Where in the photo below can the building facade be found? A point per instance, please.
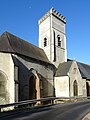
(25, 71)
(52, 36)
(31, 72)
(69, 81)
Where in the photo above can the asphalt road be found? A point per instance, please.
(69, 111)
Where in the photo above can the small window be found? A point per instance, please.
(45, 42)
(59, 40)
(75, 88)
(16, 85)
(16, 73)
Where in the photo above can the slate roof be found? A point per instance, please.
(63, 69)
(13, 44)
(84, 70)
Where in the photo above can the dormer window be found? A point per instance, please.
(59, 40)
(45, 42)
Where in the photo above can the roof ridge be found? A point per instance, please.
(5, 34)
(84, 64)
(83, 69)
(13, 44)
(66, 62)
(63, 68)
(8, 35)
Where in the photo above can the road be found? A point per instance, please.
(69, 111)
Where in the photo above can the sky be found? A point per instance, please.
(20, 17)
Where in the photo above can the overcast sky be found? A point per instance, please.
(20, 17)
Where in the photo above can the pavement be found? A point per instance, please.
(87, 117)
(68, 111)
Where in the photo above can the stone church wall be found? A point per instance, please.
(75, 75)
(58, 24)
(6, 78)
(44, 32)
(44, 70)
(62, 86)
(84, 87)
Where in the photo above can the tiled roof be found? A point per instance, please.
(63, 69)
(84, 69)
(13, 44)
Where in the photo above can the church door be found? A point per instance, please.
(75, 88)
(32, 87)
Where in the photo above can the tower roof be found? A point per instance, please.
(53, 12)
(12, 44)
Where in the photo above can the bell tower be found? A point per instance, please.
(52, 36)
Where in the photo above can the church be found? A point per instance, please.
(31, 72)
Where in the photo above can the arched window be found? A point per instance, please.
(59, 40)
(75, 88)
(45, 42)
